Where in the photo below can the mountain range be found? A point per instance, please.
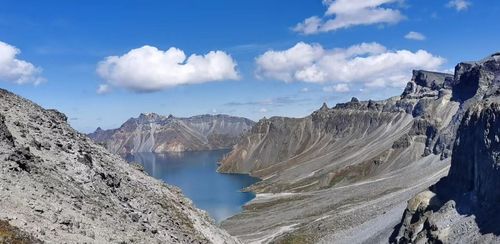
(345, 174)
(160, 134)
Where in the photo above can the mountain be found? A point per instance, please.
(58, 186)
(345, 174)
(155, 133)
(463, 207)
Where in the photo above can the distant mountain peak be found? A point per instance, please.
(324, 107)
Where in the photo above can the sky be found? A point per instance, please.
(102, 62)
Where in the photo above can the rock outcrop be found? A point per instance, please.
(330, 142)
(462, 207)
(57, 186)
(155, 133)
(356, 165)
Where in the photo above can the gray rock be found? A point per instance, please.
(155, 133)
(350, 165)
(77, 192)
(470, 191)
(5, 134)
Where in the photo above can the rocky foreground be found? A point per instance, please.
(345, 174)
(161, 134)
(57, 186)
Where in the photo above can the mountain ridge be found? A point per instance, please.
(57, 185)
(394, 148)
(462, 207)
(151, 132)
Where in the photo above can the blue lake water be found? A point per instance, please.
(195, 173)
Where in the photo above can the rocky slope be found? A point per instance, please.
(463, 207)
(155, 133)
(57, 186)
(344, 174)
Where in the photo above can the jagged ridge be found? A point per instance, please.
(155, 133)
(392, 148)
(462, 207)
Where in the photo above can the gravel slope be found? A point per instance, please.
(345, 174)
(60, 187)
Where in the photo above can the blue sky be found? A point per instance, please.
(68, 41)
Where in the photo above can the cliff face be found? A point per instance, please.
(57, 186)
(463, 207)
(355, 165)
(348, 143)
(155, 133)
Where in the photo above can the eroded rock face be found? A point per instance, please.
(373, 156)
(57, 186)
(320, 142)
(155, 133)
(469, 194)
(475, 165)
(465, 209)
(350, 167)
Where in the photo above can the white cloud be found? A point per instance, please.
(348, 13)
(103, 89)
(150, 69)
(340, 88)
(305, 89)
(459, 5)
(16, 70)
(417, 36)
(263, 110)
(368, 63)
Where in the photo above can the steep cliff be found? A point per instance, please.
(350, 142)
(57, 186)
(354, 165)
(155, 133)
(462, 207)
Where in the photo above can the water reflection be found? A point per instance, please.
(195, 173)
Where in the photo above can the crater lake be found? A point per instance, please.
(195, 173)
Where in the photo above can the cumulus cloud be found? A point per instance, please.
(459, 5)
(16, 70)
(150, 69)
(347, 13)
(368, 63)
(417, 36)
(340, 88)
